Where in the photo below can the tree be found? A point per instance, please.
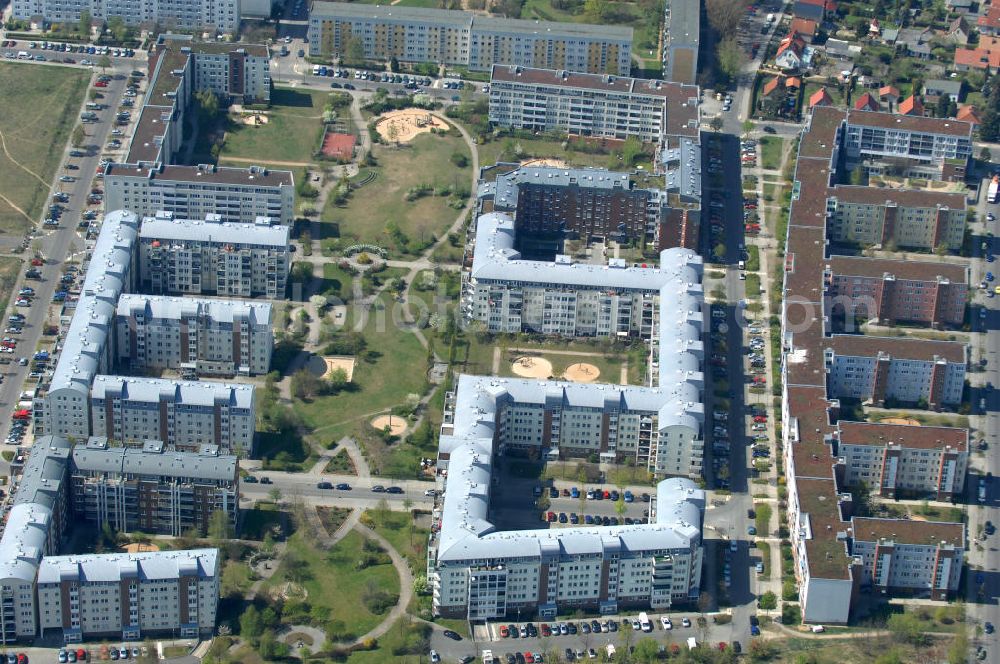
(250, 624)
(647, 650)
(78, 136)
(596, 11)
(220, 528)
(104, 62)
(119, 30)
(716, 123)
(724, 15)
(304, 384)
(729, 57)
(275, 495)
(941, 108)
(393, 64)
(768, 601)
(338, 379)
(907, 627)
(85, 20)
(989, 130)
(631, 150)
(380, 513)
(208, 105)
(985, 155)
(354, 50)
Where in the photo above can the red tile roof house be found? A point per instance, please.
(912, 105)
(977, 58)
(820, 98)
(989, 22)
(867, 102)
(790, 51)
(968, 113)
(805, 28)
(888, 94)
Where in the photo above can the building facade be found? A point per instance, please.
(939, 149)
(905, 218)
(236, 195)
(589, 104)
(891, 291)
(61, 407)
(892, 459)
(218, 15)
(209, 337)
(904, 555)
(151, 490)
(213, 257)
(450, 37)
(895, 368)
(129, 595)
(183, 414)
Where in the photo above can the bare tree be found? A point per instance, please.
(724, 15)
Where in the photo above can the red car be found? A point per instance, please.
(101, 84)
(546, 630)
(760, 419)
(529, 658)
(504, 631)
(37, 261)
(550, 517)
(722, 646)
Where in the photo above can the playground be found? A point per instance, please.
(404, 125)
(396, 424)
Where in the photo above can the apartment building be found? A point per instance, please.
(832, 548)
(236, 195)
(33, 529)
(183, 414)
(62, 407)
(904, 555)
(129, 596)
(152, 489)
(510, 294)
(476, 41)
(194, 335)
(939, 149)
(890, 291)
(681, 40)
(893, 459)
(216, 15)
(904, 218)
(896, 368)
(581, 104)
(213, 257)
(478, 572)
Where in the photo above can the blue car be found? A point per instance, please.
(989, 276)
(754, 630)
(751, 531)
(990, 258)
(574, 492)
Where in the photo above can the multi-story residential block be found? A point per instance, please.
(835, 555)
(510, 294)
(129, 595)
(210, 337)
(481, 573)
(899, 554)
(218, 15)
(236, 195)
(890, 291)
(896, 368)
(416, 34)
(591, 104)
(906, 218)
(213, 257)
(681, 40)
(34, 582)
(934, 148)
(33, 528)
(183, 414)
(151, 490)
(61, 407)
(892, 458)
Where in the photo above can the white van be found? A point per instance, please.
(22, 55)
(817, 629)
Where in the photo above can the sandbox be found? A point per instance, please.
(140, 548)
(581, 372)
(547, 161)
(397, 425)
(531, 367)
(407, 124)
(334, 362)
(900, 420)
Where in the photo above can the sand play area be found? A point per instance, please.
(554, 163)
(581, 372)
(900, 420)
(254, 119)
(334, 362)
(140, 548)
(407, 124)
(531, 367)
(397, 425)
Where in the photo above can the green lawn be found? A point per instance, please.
(409, 540)
(770, 152)
(517, 149)
(337, 282)
(332, 579)
(9, 269)
(256, 522)
(291, 133)
(396, 368)
(37, 113)
(380, 213)
(407, 641)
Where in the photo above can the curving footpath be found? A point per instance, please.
(405, 587)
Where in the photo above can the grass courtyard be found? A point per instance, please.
(414, 198)
(37, 114)
(9, 269)
(338, 580)
(770, 152)
(291, 134)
